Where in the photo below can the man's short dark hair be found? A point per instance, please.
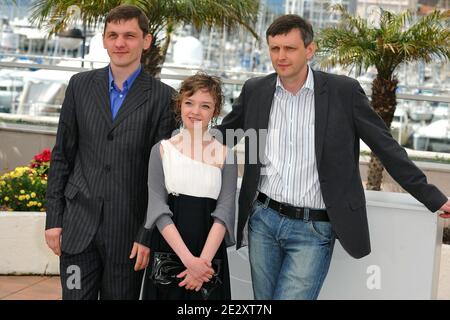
(126, 13)
(285, 23)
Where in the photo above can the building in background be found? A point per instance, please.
(19, 9)
(366, 8)
(426, 6)
(318, 11)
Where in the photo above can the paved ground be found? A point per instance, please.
(49, 288)
(29, 288)
(444, 274)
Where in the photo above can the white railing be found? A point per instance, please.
(24, 115)
(226, 81)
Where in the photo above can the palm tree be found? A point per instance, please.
(163, 15)
(395, 40)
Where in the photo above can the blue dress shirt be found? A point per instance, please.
(117, 96)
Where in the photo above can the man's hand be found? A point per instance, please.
(53, 239)
(143, 256)
(446, 209)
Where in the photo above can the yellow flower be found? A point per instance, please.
(22, 191)
(27, 197)
(33, 195)
(18, 172)
(39, 204)
(3, 183)
(43, 182)
(6, 198)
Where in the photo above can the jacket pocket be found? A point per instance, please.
(71, 191)
(357, 203)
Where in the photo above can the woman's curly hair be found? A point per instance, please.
(200, 81)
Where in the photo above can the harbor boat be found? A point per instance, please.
(433, 137)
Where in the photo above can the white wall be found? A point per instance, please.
(22, 245)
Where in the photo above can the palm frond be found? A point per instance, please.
(161, 13)
(394, 41)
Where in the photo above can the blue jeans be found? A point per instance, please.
(289, 258)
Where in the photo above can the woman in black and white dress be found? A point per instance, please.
(192, 188)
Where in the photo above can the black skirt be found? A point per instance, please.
(192, 218)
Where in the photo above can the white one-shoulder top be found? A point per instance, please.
(184, 175)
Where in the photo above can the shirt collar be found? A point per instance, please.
(309, 83)
(128, 83)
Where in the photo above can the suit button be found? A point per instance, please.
(107, 168)
(110, 137)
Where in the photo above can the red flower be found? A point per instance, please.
(45, 156)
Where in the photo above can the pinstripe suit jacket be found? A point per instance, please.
(99, 166)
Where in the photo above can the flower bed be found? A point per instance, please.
(24, 188)
(22, 220)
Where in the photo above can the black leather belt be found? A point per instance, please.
(293, 212)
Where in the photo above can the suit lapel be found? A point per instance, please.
(101, 94)
(137, 96)
(264, 105)
(265, 101)
(321, 112)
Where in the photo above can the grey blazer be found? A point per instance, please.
(99, 167)
(342, 117)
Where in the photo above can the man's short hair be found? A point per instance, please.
(285, 23)
(126, 13)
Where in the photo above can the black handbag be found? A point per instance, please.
(166, 266)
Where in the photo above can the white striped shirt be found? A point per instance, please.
(290, 173)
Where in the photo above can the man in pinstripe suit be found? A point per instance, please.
(97, 188)
(306, 189)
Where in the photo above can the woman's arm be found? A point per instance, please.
(215, 238)
(158, 211)
(223, 226)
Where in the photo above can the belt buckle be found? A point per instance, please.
(280, 208)
(298, 213)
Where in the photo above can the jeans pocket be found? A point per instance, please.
(255, 208)
(322, 229)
